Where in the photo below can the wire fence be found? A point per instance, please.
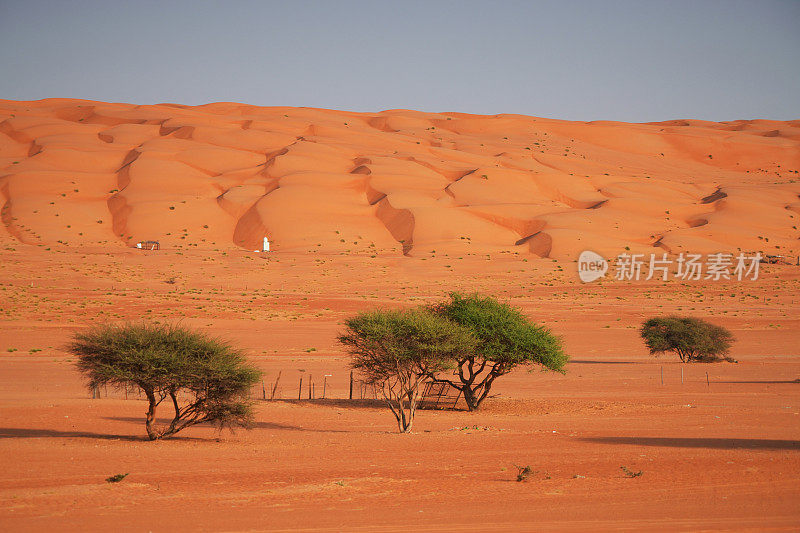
(311, 388)
(435, 395)
(306, 387)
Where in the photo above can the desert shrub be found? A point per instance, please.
(630, 473)
(170, 362)
(523, 472)
(505, 339)
(693, 339)
(399, 350)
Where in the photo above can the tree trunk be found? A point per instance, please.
(152, 434)
(404, 413)
(469, 398)
(402, 420)
(407, 417)
(413, 398)
(484, 394)
(173, 427)
(474, 396)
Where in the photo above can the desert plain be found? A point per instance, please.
(391, 210)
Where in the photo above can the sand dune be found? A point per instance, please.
(397, 182)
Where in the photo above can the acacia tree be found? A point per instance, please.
(693, 339)
(505, 339)
(399, 350)
(170, 362)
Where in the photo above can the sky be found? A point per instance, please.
(634, 61)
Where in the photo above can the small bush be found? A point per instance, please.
(523, 472)
(629, 473)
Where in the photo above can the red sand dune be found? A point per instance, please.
(222, 175)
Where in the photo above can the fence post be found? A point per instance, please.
(351, 384)
(310, 381)
(275, 387)
(263, 390)
(300, 390)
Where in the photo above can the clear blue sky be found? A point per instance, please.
(638, 60)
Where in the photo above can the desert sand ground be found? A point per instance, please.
(718, 451)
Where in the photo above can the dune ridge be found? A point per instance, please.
(225, 175)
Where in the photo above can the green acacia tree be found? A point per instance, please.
(505, 339)
(399, 350)
(205, 379)
(693, 339)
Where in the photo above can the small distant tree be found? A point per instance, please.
(397, 351)
(170, 362)
(693, 339)
(505, 339)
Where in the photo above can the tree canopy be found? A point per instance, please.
(168, 361)
(693, 339)
(504, 339)
(398, 350)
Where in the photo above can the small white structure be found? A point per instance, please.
(148, 245)
(266, 245)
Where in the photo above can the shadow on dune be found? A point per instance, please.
(287, 427)
(711, 442)
(32, 433)
(256, 425)
(586, 362)
(795, 381)
(334, 402)
(140, 421)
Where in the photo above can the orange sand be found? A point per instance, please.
(343, 196)
(225, 175)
